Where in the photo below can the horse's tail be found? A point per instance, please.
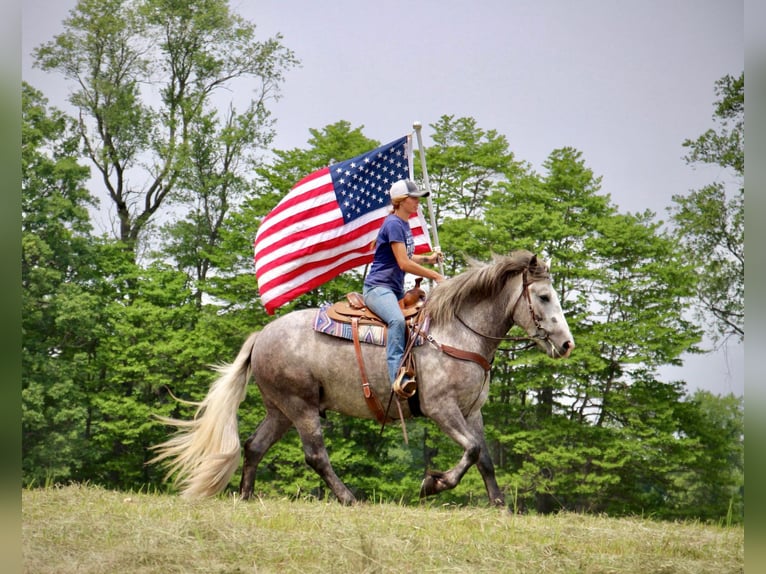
(204, 453)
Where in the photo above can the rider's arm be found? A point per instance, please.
(409, 266)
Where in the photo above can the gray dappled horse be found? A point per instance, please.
(302, 373)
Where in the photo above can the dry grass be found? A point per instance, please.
(85, 529)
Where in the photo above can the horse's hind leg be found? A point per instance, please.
(310, 431)
(271, 429)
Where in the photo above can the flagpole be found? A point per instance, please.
(417, 126)
(410, 158)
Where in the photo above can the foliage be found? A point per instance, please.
(465, 165)
(710, 222)
(213, 183)
(61, 312)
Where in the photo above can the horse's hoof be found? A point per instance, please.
(430, 484)
(347, 500)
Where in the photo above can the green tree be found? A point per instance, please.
(61, 310)
(465, 165)
(715, 485)
(710, 222)
(103, 339)
(157, 343)
(145, 73)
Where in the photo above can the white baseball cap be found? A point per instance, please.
(406, 188)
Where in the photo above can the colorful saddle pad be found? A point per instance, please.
(372, 334)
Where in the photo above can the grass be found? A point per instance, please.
(90, 530)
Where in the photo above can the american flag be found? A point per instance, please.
(328, 223)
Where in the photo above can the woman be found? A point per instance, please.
(384, 285)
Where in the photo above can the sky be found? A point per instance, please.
(624, 82)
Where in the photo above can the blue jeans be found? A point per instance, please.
(383, 302)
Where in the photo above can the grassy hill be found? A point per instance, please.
(88, 530)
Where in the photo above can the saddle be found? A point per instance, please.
(354, 308)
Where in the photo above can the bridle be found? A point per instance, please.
(541, 334)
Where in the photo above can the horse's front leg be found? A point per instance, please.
(454, 425)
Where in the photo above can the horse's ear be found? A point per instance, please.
(533, 262)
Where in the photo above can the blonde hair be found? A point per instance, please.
(397, 201)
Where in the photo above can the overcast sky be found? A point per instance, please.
(624, 82)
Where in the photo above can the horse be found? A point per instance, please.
(302, 373)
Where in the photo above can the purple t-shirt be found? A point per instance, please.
(385, 271)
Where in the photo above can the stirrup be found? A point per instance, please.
(405, 385)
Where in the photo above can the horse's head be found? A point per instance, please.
(488, 299)
(538, 311)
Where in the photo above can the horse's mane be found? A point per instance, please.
(480, 281)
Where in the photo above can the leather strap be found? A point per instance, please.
(454, 352)
(369, 395)
(465, 356)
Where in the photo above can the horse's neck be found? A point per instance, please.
(483, 323)
(489, 318)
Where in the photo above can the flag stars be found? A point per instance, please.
(363, 182)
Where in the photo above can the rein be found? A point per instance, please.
(541, 333)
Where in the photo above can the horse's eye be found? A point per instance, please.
(545, 298)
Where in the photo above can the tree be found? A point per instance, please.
(158, 341)
(213, 184)
(715, 485)
(61, 308)
(710, 222)
(465, 165)
(146, 73)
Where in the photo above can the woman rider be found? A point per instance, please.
(384, 284)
